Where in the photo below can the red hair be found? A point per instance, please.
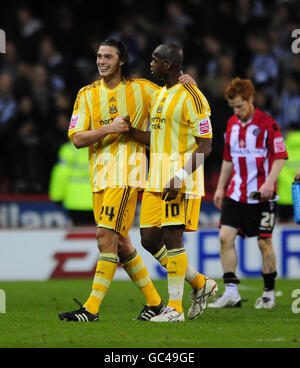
(240, 87)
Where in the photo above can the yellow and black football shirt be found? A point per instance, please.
(178, 115)
(116, 160)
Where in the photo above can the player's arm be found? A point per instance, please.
(278, 152)
(267, 189)
(197, 157)
(226, 172)
(86, 138)
(200, 154)
(138, 135)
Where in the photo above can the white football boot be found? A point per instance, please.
(266, 301)
(200, 297)
(168, 314)
(226, 301)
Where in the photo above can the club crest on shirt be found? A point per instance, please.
(113, 109)
(256, 132)
(242, 143)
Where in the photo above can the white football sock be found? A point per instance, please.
(231, 290)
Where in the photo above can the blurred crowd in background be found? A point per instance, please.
(51, 53)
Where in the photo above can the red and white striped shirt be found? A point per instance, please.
(252, 148)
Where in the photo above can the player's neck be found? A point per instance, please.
(112, 81)
(171, 80)
(249, 118)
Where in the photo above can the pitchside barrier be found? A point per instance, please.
(42, 254)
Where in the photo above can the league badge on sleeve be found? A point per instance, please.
(204, 126)
(279, 145)
(73, 121)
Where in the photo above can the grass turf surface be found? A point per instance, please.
(31, 319)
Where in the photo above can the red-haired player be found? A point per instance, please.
(254, 154)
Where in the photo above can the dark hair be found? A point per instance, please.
(123, 54)
(171, 52)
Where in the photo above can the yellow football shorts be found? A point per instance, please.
(114, 208)
(155, 212)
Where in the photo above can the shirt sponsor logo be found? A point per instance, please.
(246, 152)
(203, 126)
(73, 121)
(279, 145)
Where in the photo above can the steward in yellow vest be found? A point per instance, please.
(70, 184)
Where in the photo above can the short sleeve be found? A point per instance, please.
(226, 151)
(276, 142)
(197, 112)
(81, 116)
(149, 88)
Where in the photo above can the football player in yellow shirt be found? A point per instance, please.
(117, 172)
(180, 132)
(96, 123)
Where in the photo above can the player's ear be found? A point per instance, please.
(168, 65)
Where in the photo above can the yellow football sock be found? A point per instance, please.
(162, 256)
(105, 271)
(176, 270)
(137, 271)
(193, 277)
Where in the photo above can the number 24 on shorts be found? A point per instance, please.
(109, 211)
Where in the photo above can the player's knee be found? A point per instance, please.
(125, 248)
(107, 240)
(172, 237)
(265, 245)
(146, 238)
(224, 238)
(151, 239)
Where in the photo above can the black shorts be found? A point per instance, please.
(250, 219)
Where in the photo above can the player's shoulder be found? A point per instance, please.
(194, 93)
(264, 118)
(144, 81)
(191, 89)
(231, 121)
(90, 87)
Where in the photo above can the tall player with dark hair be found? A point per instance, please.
(254, 154)
(97, 123)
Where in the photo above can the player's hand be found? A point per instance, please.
(186, 78)
(127, 120)
(266, 190)
(218, 198)
(171, 190)
(119, 125)
(298, 175)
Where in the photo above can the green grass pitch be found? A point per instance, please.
(31, 319)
